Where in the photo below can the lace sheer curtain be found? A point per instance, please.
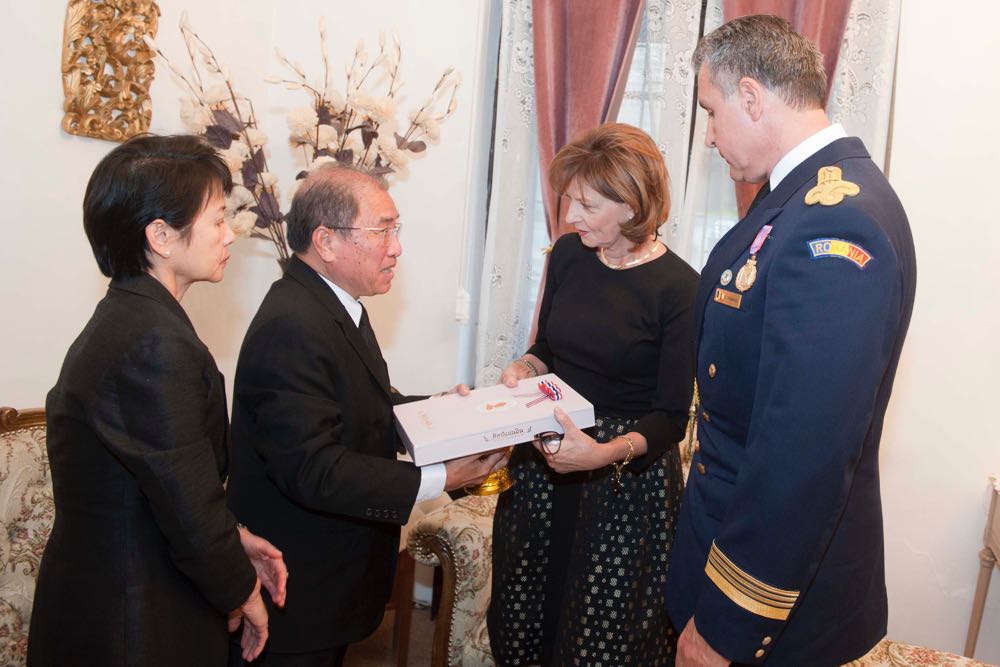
(659, 96)
(512, 262)
(861, 97)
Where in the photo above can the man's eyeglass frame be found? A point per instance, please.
(395, 228)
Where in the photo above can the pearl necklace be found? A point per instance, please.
(630, 263)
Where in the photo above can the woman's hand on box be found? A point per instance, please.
(577, 452)
(524, 367)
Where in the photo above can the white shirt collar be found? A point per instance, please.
(805, 150)
(351, 305)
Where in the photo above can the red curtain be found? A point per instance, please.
(822, 21)
(583, 50)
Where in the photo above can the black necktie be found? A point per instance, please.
(368, 334)
(764, 191)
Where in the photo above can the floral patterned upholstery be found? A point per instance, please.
(459, 538)
(26, 514)
(888, 653)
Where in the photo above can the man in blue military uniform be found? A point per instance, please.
(800, 318)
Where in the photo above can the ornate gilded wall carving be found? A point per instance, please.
(107, 68)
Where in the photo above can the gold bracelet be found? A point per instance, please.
(527, 364)
(616, 476)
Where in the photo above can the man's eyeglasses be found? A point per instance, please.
(387, 233)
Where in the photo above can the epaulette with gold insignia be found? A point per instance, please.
(830, 188)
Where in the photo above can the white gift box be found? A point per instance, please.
(447, 427)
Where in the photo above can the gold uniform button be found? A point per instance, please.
(701, 468)
(704, 415)
(766, 641)
(759, 653)
(711, 370)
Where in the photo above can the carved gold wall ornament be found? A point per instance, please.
(107, 67)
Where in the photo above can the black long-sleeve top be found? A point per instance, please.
(622, 338)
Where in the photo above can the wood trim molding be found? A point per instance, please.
(12, 419)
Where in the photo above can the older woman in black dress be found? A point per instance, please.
(582, 541)
(145, 565)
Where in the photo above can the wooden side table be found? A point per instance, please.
(987, 560)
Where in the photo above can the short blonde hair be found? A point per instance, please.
(623, 164)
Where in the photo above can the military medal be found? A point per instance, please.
(727, 277)
(747, 275)
(748, 272)
(830, 188)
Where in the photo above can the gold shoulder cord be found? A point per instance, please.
(691, 442)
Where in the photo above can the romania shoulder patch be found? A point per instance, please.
(852, 252)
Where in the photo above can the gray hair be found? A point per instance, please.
(767, 49)
(328, 196)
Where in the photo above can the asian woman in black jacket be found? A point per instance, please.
(145, 564)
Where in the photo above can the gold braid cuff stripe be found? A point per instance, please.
(744, 590)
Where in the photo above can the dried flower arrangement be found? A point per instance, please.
(356, 126)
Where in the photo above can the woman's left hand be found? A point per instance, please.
(254, 615)
(578, 450)
(269, 564)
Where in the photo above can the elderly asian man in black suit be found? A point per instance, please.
(315, 467)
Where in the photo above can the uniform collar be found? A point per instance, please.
(804, 150)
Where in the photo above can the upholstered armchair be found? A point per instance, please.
(26, 514)
(459, 538)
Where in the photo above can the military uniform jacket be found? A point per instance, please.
(314, 463)
(779, 551)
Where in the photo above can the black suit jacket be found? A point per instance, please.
(144, 560)
(314, 467)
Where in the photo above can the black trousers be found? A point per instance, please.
(329, 658)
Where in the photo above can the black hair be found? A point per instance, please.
(147, 178)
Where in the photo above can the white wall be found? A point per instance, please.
(49, 282)
(942, 437)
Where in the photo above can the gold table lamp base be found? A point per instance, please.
(495, 482)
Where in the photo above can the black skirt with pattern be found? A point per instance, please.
(579, 570)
